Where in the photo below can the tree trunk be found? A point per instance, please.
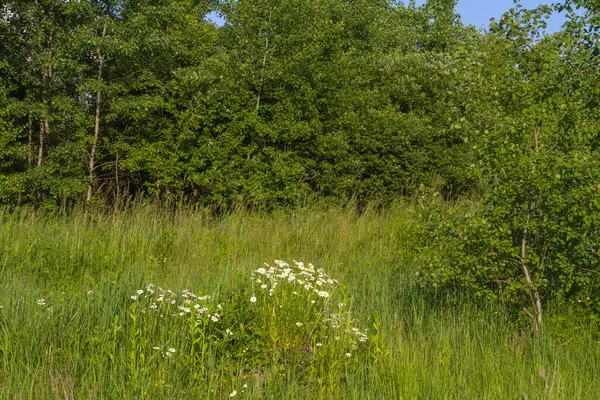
(44, 125)
(44, 133)
(534, 293)
(40, 160)
(264, 65)
(30, 143)
(30, 131)
(92, 164)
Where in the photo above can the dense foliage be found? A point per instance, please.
(333, 100)
(535, 238)
(285, 103)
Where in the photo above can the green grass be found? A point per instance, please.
(98, 344)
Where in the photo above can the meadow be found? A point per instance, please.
(149, 303)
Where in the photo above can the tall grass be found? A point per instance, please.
(87, 339)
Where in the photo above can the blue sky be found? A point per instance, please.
(479, 12)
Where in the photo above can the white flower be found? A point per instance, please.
(263, 286)
(41, 302)
(252, 299)
(215, 318)
(139, 291)
(90, 292)
(169, 353)
(156, 348)
(228, 332)
(245, 386)
(319, 344)
(348, 354)
(7, 15)
(134, 297)
(233, 394)
(323, 294)
(298, 323)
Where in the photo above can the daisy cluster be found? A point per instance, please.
(305, 277)
(307, 281)
(166, 302)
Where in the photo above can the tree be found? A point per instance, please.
(41, 102)
(534, 239)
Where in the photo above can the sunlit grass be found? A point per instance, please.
(69, 325)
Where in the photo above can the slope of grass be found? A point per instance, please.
(69, 326)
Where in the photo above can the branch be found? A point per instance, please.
(590, 270)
